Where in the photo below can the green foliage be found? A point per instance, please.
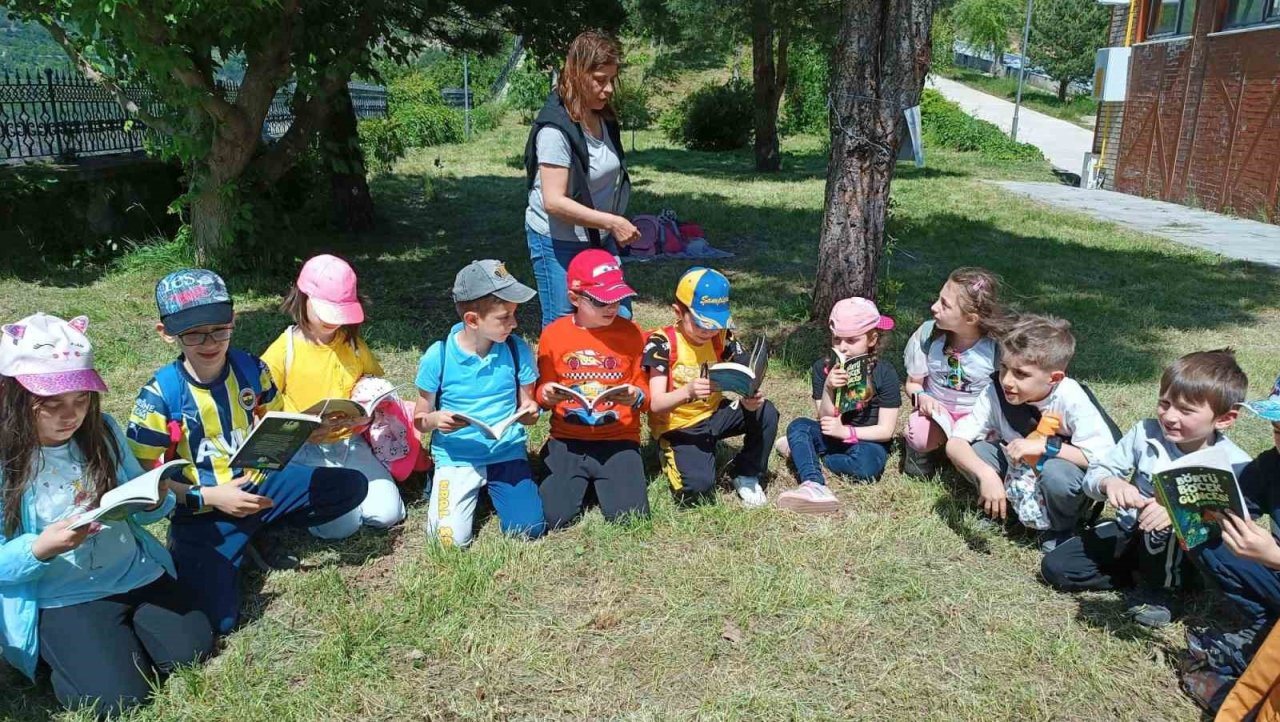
(804, 107)
(487, 117)
(527, 89)
(1064, 37)
(27, 46)
(986, 24)
(427, 125)
(945, 124)
(382, 143)
(942, 40)
(411, 89)
(714, 117)
(631, 103)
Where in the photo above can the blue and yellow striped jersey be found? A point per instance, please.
(215, 418)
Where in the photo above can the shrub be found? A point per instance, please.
(412, 89)
(428, 125)
(946, 125)
(487, 117)
(631, 103)
(528, 90)
(382, 141)
(804, 108)
(716, 117)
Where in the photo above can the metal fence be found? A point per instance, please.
(61, 115)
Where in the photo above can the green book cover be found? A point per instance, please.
(853, 395)
(1198, 490)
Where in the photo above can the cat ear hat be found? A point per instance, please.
(49, 356)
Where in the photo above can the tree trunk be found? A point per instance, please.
(881, 61)
(348, 185)
(768, 81)
(210, 225)
(1062, 90)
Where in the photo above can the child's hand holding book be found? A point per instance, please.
(1248, 540)
(838, 378)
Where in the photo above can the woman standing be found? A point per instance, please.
(578, 182)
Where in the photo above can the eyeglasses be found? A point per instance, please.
(199, 339)
(598, 303)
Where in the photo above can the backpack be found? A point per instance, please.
(173, 388)
(672, 240)
(670, 332)
(649, 242)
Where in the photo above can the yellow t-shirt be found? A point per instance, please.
(318, 371)
(688, 365)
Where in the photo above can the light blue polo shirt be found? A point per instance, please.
(483, 387)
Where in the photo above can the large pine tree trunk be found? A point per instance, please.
(348, 186)
(880, 65)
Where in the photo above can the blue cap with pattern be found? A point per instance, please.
(190, 298)
(1268, 408)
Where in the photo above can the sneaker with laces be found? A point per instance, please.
(749, 491)
(1148, 608)
(809, 498)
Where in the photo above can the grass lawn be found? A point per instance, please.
(897, 609)
(1078, 109)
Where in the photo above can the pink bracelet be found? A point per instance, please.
(852, 438)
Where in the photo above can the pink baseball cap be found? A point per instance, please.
(49, 356)
(856, 316)
(597, 273)
(330, 284)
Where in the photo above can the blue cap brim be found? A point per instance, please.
(712, 322)
(1268, 409)
(211, 314)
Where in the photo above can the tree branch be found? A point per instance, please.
(107, 82)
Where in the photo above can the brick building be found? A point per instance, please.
(1198, 120)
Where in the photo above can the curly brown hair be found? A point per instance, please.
(20, 446)
(588, 52)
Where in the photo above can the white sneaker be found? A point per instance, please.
(782, 447)
(749, 491)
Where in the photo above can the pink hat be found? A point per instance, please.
(330, 284)
(856, 316)
(596, 273)
(49, 356)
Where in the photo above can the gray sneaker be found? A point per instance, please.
(918, 464)
(1049, 539)
(1148, 608)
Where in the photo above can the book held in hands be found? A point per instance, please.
(137, 494)
(1198, 490)
(854, 394)
(742, 379)
(275, 440)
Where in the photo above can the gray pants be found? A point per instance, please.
(1061, 480)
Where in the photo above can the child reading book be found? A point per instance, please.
(857, 410)
(98, 603)
(590, 376)
(688, 414)
(322, 356)
(201, 408)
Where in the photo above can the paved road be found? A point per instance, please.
(1063, 143)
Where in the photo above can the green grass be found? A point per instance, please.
(1078, 109)
(897, 609)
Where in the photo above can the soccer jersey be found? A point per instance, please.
(214, 418)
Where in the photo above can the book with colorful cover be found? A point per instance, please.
(742, 379)
(1198, 490)
(854, 394)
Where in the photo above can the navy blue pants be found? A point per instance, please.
(208, 548)
(811, 449)
(1253, 588)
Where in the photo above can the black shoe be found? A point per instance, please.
(275, 558)
(918, 464)
(1148, 608)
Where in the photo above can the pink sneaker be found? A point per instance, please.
(809, 498)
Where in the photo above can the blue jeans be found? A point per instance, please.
(863, 461)
(1253, 588)
(550, 259)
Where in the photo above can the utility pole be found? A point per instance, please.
(1022, 71)
(466, 97)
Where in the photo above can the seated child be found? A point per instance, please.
(992, 441)
(201, 408)
(590, 351)
(950, 360)
(687, 415)
(485, 371)
(854, 438)
(322, 357)
(1198, 395)
(98, 604)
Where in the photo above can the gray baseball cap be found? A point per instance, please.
(481, 278)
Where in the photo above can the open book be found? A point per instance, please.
(342, 409)
(852, 395)
(274, 441)
(1197, 490)
(139, 493)
(744, 380)
(489, 431)
(588, 413)
(944, 422)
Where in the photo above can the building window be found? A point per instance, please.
(1171, 17)
(1241, 13)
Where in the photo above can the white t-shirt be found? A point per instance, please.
(957, 387)
(1082, 422)
(602, 181)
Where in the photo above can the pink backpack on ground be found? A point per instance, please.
(650, 241)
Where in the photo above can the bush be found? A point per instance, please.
(382, 141)
(804, 108)
(631, 103)
(428, 125)
(715, 117)
(410, 90)
(943, 40)
(528, 90)
(487, 117)
(944, 124)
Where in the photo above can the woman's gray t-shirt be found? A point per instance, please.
(602, 180)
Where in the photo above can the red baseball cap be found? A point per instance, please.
(598, 274)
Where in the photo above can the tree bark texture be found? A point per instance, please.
(340, 147)
(881, 60)
(769, 79)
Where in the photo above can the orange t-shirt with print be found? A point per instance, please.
(591, 360)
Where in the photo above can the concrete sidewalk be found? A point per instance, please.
(1231, 237)
(1063, 143)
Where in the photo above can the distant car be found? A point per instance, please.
(589, 359)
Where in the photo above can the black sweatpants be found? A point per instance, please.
(689, 454)
(614, 467)
(1107, 557)
(108, 650)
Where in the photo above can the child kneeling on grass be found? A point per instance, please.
(687, 415)
(591, 351)
(481, 369)
(1033, 381)
(202, 406)
(98, 604)
(1198, 396)
(853, 438)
